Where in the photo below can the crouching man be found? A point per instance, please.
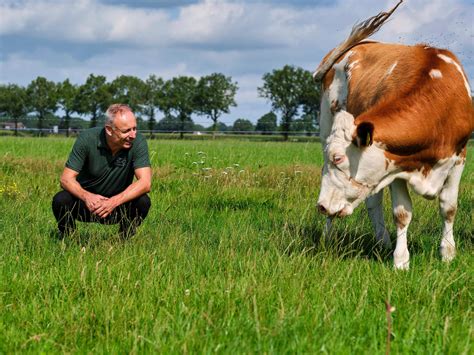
(98, 178)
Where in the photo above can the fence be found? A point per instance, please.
(195, 135)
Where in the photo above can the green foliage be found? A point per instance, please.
(307, 124)
(93, 98)
(267, 123)
(215, 95)
(67, 94)
(227, 261)
(288, 90)
(42, 98)
(180, 99)
(13, 102)
(243, 125)
(174, 124)
(153, 98)
(129, 90)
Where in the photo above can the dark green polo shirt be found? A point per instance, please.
(99, 171)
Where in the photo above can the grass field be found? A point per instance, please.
(228, 261)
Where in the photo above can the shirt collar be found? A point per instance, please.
(102, 142)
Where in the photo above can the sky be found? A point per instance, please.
(243, 39)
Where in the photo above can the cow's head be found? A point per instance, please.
(353, 166)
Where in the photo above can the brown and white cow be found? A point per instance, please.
(393, 115)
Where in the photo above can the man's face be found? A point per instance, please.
(123, 131)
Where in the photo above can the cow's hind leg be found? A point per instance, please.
(375, 210)
(402, 213)
(448, 201)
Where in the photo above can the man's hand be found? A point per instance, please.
(105, 207)
(94, 202)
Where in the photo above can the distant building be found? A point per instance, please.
(11, 125)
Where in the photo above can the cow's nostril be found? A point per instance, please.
(322, 209)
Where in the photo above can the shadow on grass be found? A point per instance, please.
(90, 238)
(341, 243)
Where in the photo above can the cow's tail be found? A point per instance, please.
(359, 32)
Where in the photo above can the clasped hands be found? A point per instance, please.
(100, 205)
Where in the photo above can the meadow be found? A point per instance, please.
(229, 260)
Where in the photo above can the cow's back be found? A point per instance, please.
(417, 97)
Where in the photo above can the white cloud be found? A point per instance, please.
(243, 39)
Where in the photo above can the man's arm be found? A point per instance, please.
(69, 183)
(139, 187)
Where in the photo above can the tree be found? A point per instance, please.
(67, 93)
(310, 101)
(153, 97)
(129, 90)
(283, 87)
(13, 102)
(215, 96)
(42, 98)
(180, 100)
(242, 125)
(174, 124)
(304, 124)
(267, 123)
(93, 98)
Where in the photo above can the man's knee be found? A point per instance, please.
(63, 199)
(142, 205)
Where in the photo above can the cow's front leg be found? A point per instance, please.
(375, 210)
(402, 212)
(448, 201)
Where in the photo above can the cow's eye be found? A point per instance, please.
(338, 159)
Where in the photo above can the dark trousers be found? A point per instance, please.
(68, 209)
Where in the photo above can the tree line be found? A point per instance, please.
(290, 91)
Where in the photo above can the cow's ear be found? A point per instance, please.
(364, 134)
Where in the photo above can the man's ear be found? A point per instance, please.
(108, 130)
(364, 134)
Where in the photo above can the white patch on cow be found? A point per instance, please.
(435, 74)
(340, 85)
(344, 185)
(429, 186)
(392, 67)
(448, 199)
(336, 92)
(402, 213)
(375, 210)
(352, 66)
(458, 67)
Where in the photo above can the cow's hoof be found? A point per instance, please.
(402, 266)
(401, 262)
(447, 253)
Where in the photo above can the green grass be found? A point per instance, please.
(228, 261)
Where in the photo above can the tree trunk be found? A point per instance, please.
(214, 127)
(93, 119)
(68, 118)
(285, 127)
(40, 124)
(151, 122)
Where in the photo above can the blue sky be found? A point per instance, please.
(243, 39)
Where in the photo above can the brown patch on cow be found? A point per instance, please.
(419, 120)
(328, 79)
(387, 164)
(335, 106)
(402, 218)
(450, 214)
